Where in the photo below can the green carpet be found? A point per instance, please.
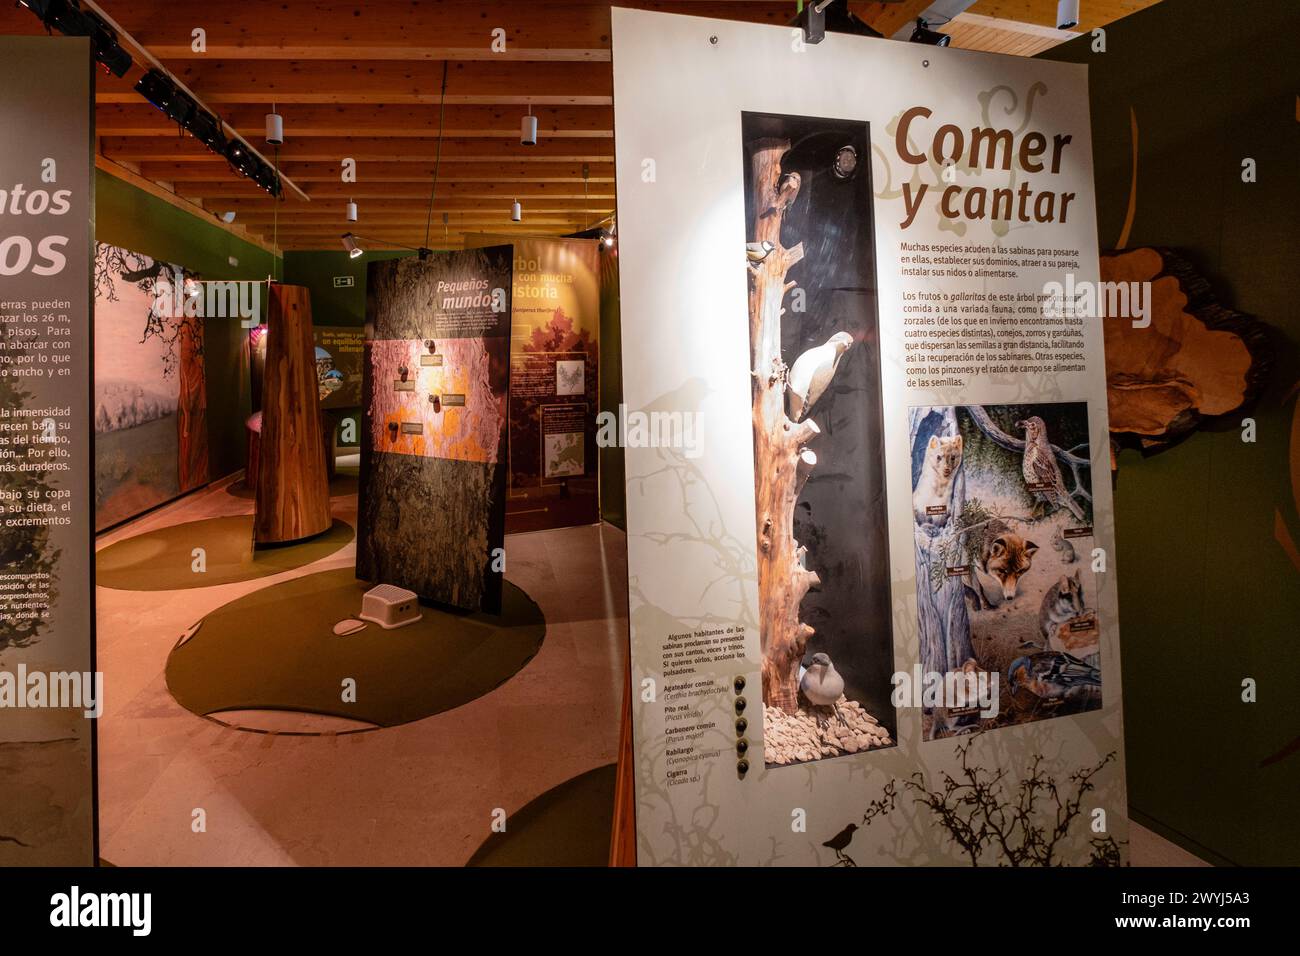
(275, 649)
(568, 825)
(162, 560)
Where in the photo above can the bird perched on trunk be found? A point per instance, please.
(812, 373)
(787, 191)
(758, 251)
(822, 684)
(1041, 471)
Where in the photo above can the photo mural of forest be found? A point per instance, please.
(150, 399)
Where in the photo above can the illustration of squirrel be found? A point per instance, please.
(932, 497)
(1064, 547)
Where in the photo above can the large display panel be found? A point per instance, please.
(49, 692)
(151, 430)
(554, 382)
(433, 444)
(866, 526)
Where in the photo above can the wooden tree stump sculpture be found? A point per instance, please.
(782, 460)
(293, 497)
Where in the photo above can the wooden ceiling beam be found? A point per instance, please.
(534, 30)
(359, 191)
(377, 82)
(405, 172)
(366, 121)
(172, 148)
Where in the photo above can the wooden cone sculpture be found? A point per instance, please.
(781, 460)
(293, 500)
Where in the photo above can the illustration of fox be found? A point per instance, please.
(1005, 557)
(932, 497)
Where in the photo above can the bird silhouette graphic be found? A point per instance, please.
(839, 843)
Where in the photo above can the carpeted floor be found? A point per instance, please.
(275, 649)
(163, 560)
(568, 825)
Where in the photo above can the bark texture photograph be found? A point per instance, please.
(823, 569)
(433, 453)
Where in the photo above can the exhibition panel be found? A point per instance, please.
(913, 227)
(400, 465)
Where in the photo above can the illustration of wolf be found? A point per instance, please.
(1062, 602)
(1005, 557)
(932, 497)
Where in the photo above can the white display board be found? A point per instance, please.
(872, 588)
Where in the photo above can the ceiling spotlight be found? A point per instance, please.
(228, 217)
(240, 157)
(207, 129)
(158, 88)
(274, 128)
(350, 244)
(528, 129)
(1067, 14)
(516, 212)
(608, 240)
(352, 211)
(68, 18)
(923, 34)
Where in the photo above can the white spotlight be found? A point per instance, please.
(516, 212)
(228, 216)
(275, 129)
(350, 244)
(528, 129)
(352, 211)
(1067, 14)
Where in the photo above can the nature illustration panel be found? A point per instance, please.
(823, 568)
(150, 398)
(1002, 507)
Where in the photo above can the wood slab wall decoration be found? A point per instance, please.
(433, 436)
(293, 499)
(1196, 359)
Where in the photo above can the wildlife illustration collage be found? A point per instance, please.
(1002, 505)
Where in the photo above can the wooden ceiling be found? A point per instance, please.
(362, 80)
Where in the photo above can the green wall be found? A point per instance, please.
(129, 217)
(1208, 597)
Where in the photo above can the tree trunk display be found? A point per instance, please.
(781, 460)
(433, 438)
(292, 484)
(1195, 360)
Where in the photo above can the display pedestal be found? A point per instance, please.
(292, 481)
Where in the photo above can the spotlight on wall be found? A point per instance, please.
(352, 211)
(68, 18)
(516, 212)
(227, 217)
(528, 129)
(350, 244)
(1067, 14)
(923, 34)
(274, 128)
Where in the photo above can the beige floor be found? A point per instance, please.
(419, 794)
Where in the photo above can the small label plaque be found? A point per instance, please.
(430, 359)
(404, 386)
(450, 400)
(412, 428)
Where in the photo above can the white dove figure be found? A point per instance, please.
(812, 372)
(821, 683)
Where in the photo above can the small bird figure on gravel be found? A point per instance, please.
(822, 684)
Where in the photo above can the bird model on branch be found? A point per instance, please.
(812, 373)
(787, 191)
